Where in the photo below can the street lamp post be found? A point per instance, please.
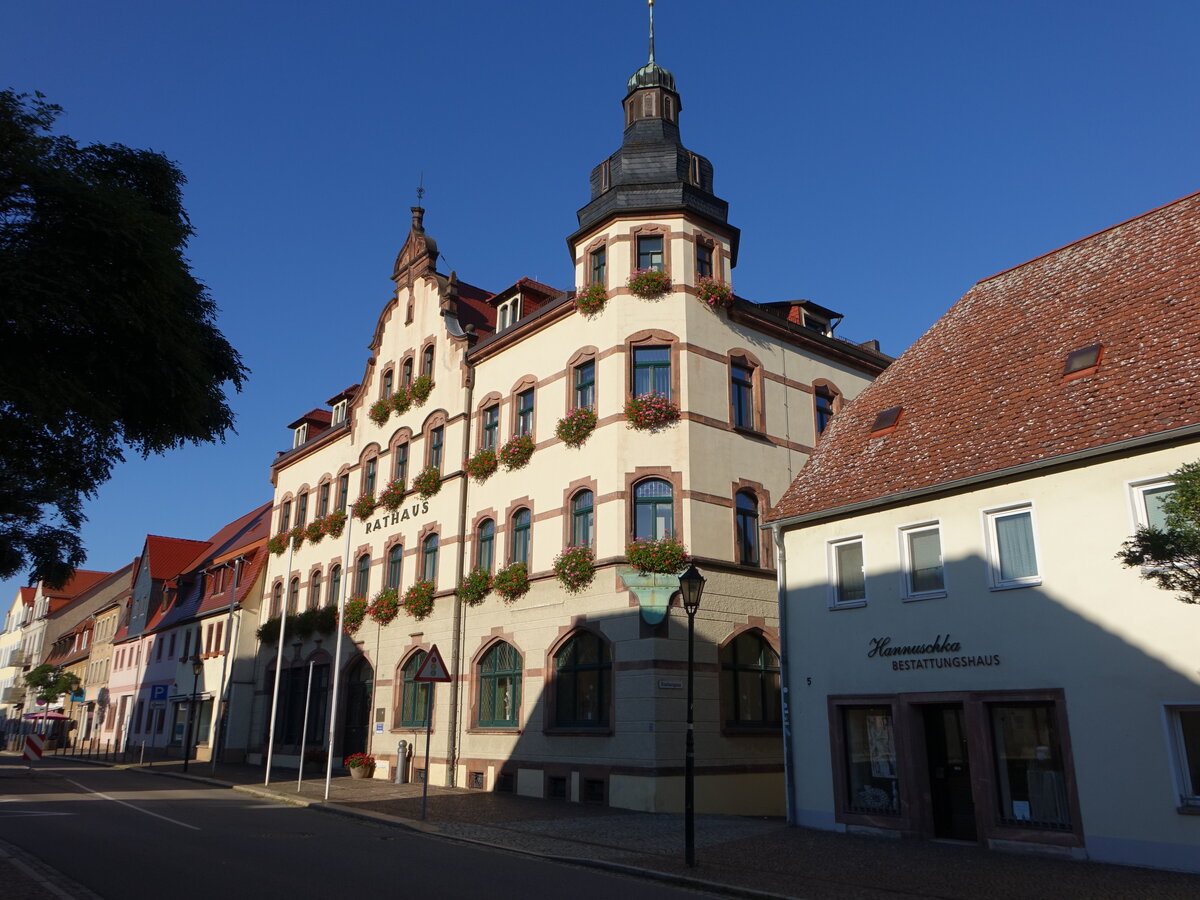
(197, 667)
(691, 587)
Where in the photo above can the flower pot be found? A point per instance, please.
(360, 772)
(653, 592)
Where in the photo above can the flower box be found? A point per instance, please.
(716, 293)
(575, 568)
(392, 495)
(515, 454)
(590, 301)
(385, 607)
(401, 401)
(511, 582)
(428, 483)
(651, 412)
(361, 765)
(666, 555)
(380, 411)
(353, 615)
(334, 523)
(418, 600)
(297, 537)
(314, 531)
(649, 284)
(475, 587)
(420, 389)
(278, 544)
(364, 507)
(481, 466)
(573, 428)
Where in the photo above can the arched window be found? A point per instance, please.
(427, 361)
(276, 603)
(314, 590)
(520, 536)
(500, 687)
(429, 558)
(370, 470)
(400, 465)
(293, 596)
(653, 509)
(823, 403)
(406, 373)
(582, 682)
(747, 529)
(583, 519)
(335, 586)
(414, 695)
(388, 379)
(750, 683)
(395, 555)
(485, 545)
(362, 577)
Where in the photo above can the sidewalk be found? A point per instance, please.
(741, 856)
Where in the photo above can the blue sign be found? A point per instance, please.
(78, 696)
(158, 692)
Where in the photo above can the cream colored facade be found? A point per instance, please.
(627, 750)
(95, 681)
(12, 687)
(1111, 657)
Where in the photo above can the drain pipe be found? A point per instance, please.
(789, 769)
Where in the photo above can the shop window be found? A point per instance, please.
(1030, 781)
(485, 550)
(650, 252)
(362, 576)
(524, 412)
(314, 590)
(394, 560)
(584, 394)
(521, 537)
(414, 695)
(499, 678)
(747, 528)
(921, 552)
(1012, 554)
(741, 395)
(429, 558)
(847, 575)
(491, 427)
(583, 519)
(872, 781)
(582, 682)
(653, 509)
(651, 371)
(750, 683)
(335, 586)
(599, 260)
(1185, 732)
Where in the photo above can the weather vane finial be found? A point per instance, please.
(420, 189)
(651, 2)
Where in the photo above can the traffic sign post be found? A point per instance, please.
(431, 671)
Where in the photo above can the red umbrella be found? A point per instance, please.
(44, 715)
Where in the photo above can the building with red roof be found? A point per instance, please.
(965, 657)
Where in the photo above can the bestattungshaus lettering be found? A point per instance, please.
(881, 647)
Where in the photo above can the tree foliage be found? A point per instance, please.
(1170, 556)
(51, 682)
(109, 341)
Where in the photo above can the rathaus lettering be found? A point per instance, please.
(400, 515)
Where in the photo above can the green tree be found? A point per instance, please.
(109, 342)
(51, 682)
(1170, 556)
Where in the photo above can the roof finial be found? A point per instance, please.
(420, 189)
(651, 2)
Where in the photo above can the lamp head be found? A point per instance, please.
(197, 666)
(691, 587)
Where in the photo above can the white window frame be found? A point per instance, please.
(1137, 497)
(835, 601)
(1187, 794)
(301, 435)
(507, 314)
(991, 542)
(339, 411)
(907, 594)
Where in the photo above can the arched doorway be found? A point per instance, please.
(359, 680)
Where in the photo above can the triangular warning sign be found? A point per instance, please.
(432, 669)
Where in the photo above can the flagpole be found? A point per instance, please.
(337, 655)
(283, 614)
(304, 728)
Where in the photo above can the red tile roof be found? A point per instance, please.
(76, 584)
(983, 390)
(27, 595)
(171, 556)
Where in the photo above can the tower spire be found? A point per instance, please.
(651, 3)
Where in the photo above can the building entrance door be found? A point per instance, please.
(953, 808)
(358, 708)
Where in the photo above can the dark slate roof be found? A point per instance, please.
(983, 390)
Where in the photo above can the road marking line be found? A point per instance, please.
(131, 806)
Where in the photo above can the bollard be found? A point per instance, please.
(108, 749)
(401, 776)
(142, 758)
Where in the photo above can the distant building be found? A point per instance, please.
(964, 656)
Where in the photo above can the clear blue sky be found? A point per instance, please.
(879, 157)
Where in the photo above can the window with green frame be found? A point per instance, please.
(585, 384)
(520, 536)
(485, 556)
(500, 687)
(583, 520)
(491, 426)
(429, 558)
(750, 683)
(651, 371)
(394, 561)
(582, 682)
(653, 509)
(414, 695)
(436, 439)
(362, 577)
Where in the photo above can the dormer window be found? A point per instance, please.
(300, 435)
(1082, 362)
(507, 313)
(816, 323)
(339, 412)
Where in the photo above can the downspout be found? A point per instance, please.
(789, 771)
(456, 654)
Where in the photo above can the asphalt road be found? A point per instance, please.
(128, 835)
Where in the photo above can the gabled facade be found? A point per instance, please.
(965, 656)
(577, 695)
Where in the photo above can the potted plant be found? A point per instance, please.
(651, 412)
(364, 507)
(401, 401)
(278, 543)
(393, 495)
(481, 466)
(666, 555)
(314, 531)
(575, 568)
(428, 483)
(361, 765)
(716, 293)
(515, 454)
(385, 607)
(589, 301)
(380, 411)
(334, 523)
(573, 428)
(418, 600)
(511, 582)
(353, 615)
(297, 537)
(420, 388)
(649, 284)
(475, 587)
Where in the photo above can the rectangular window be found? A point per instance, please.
(585, 384)
(652, 371)
(1030, 781)
(436, 437)
(301, 509)
(1185, 728)
(525, 412)
(599, 264)
(704, 261)
(339, 412)
(400, 466)
(921, 551)
(369, 476)
(872, 779)
(741, 395)
(343, 492)
(1148, 497)
(491, 427)
(285, 516)
(171, 649)
(1012, 556)
(848, 580)
(650, 252)
(323, 500)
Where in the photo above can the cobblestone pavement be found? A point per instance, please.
(738, 855)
